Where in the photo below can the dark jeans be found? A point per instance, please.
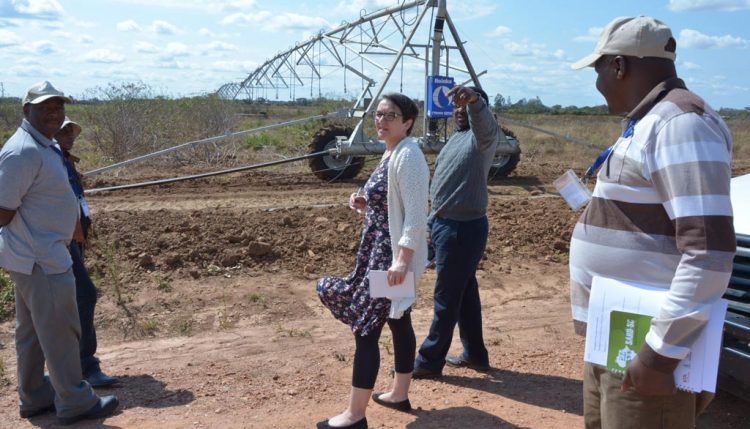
(367, 353)
(86, 300)
(459, 247)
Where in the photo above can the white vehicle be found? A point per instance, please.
(734, 369)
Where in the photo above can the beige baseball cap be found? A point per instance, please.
(42, 91)
(635, 36)
(76, 128)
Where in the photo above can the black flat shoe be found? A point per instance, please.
(361, 424)
(404, 405)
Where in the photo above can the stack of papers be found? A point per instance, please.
(630, 306)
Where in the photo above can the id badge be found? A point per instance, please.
(575, 193)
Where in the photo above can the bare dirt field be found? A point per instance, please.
(209, 316)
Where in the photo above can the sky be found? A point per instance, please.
(192, 47)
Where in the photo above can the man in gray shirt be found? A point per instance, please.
(38, 214)
(459, 230)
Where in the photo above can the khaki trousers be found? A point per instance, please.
(47, 331)
(606, 407)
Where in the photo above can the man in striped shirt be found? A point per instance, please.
(660, 214)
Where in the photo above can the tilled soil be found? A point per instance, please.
(209, 316)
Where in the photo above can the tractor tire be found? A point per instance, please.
(328, 167)
(503, 165)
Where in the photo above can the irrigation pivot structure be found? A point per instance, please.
(415, 37)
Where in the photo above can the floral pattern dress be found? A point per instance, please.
(348, 298)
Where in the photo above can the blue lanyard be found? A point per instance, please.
(628, 132)
(72, 176)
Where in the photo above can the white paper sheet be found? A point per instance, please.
(696, 372)
(379, 286)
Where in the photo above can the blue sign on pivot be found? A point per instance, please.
(438, 103)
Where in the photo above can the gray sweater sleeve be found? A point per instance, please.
(483, 124)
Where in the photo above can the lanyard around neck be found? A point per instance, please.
(604, 156)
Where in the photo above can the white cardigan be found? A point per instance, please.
(408, 190)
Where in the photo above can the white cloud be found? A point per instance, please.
(695, 39)
(233, 66)
(724, 5)
(206, 32)
(218, 46)
(355, 7)
(170, 63)
(499, 31)
(465, 10)
(687, 65)
(176, 49)
(129, 25)
(31, 9)
(8, 38)
(164, 28)
(104, 56)
(592, 35)
(270, 22)
(213, 6)
(40, 47)
(146, 47)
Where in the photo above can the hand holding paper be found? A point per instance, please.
(379, 287)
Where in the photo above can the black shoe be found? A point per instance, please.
(27, 414)
(361, 424)
(100, 379)
(461, 362)
(424, 373)
(404, 405)
(105, 407)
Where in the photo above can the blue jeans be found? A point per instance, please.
(86, 300)
(459, 247)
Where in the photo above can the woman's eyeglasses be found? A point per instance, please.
(386, 116)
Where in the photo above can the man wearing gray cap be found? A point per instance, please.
(38, 215)
(660, 215)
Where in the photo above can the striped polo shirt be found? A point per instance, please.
(661, 215)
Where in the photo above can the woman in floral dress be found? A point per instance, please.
(394, 240)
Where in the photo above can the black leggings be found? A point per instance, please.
(367, 353)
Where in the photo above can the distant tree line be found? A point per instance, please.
(536, 106)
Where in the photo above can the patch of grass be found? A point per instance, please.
(258, 141)
(184, 326)
(7, 296)
(3, 377)
(294, 332)
(113, 271)
(257, 298)
(150, 326)
(162, 284)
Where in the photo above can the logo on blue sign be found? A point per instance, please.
(438, 103)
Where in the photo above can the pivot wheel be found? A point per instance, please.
(330, 167)
(503, 165)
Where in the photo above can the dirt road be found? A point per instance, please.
(209, 316)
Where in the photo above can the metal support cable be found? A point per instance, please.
(560, 136)
(202, 175)
(207, 140)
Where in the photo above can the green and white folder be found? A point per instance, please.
(627, 334)
(619, 317)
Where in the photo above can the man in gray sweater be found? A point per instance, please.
(459, 230)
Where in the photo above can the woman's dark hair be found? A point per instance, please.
(407, 106)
